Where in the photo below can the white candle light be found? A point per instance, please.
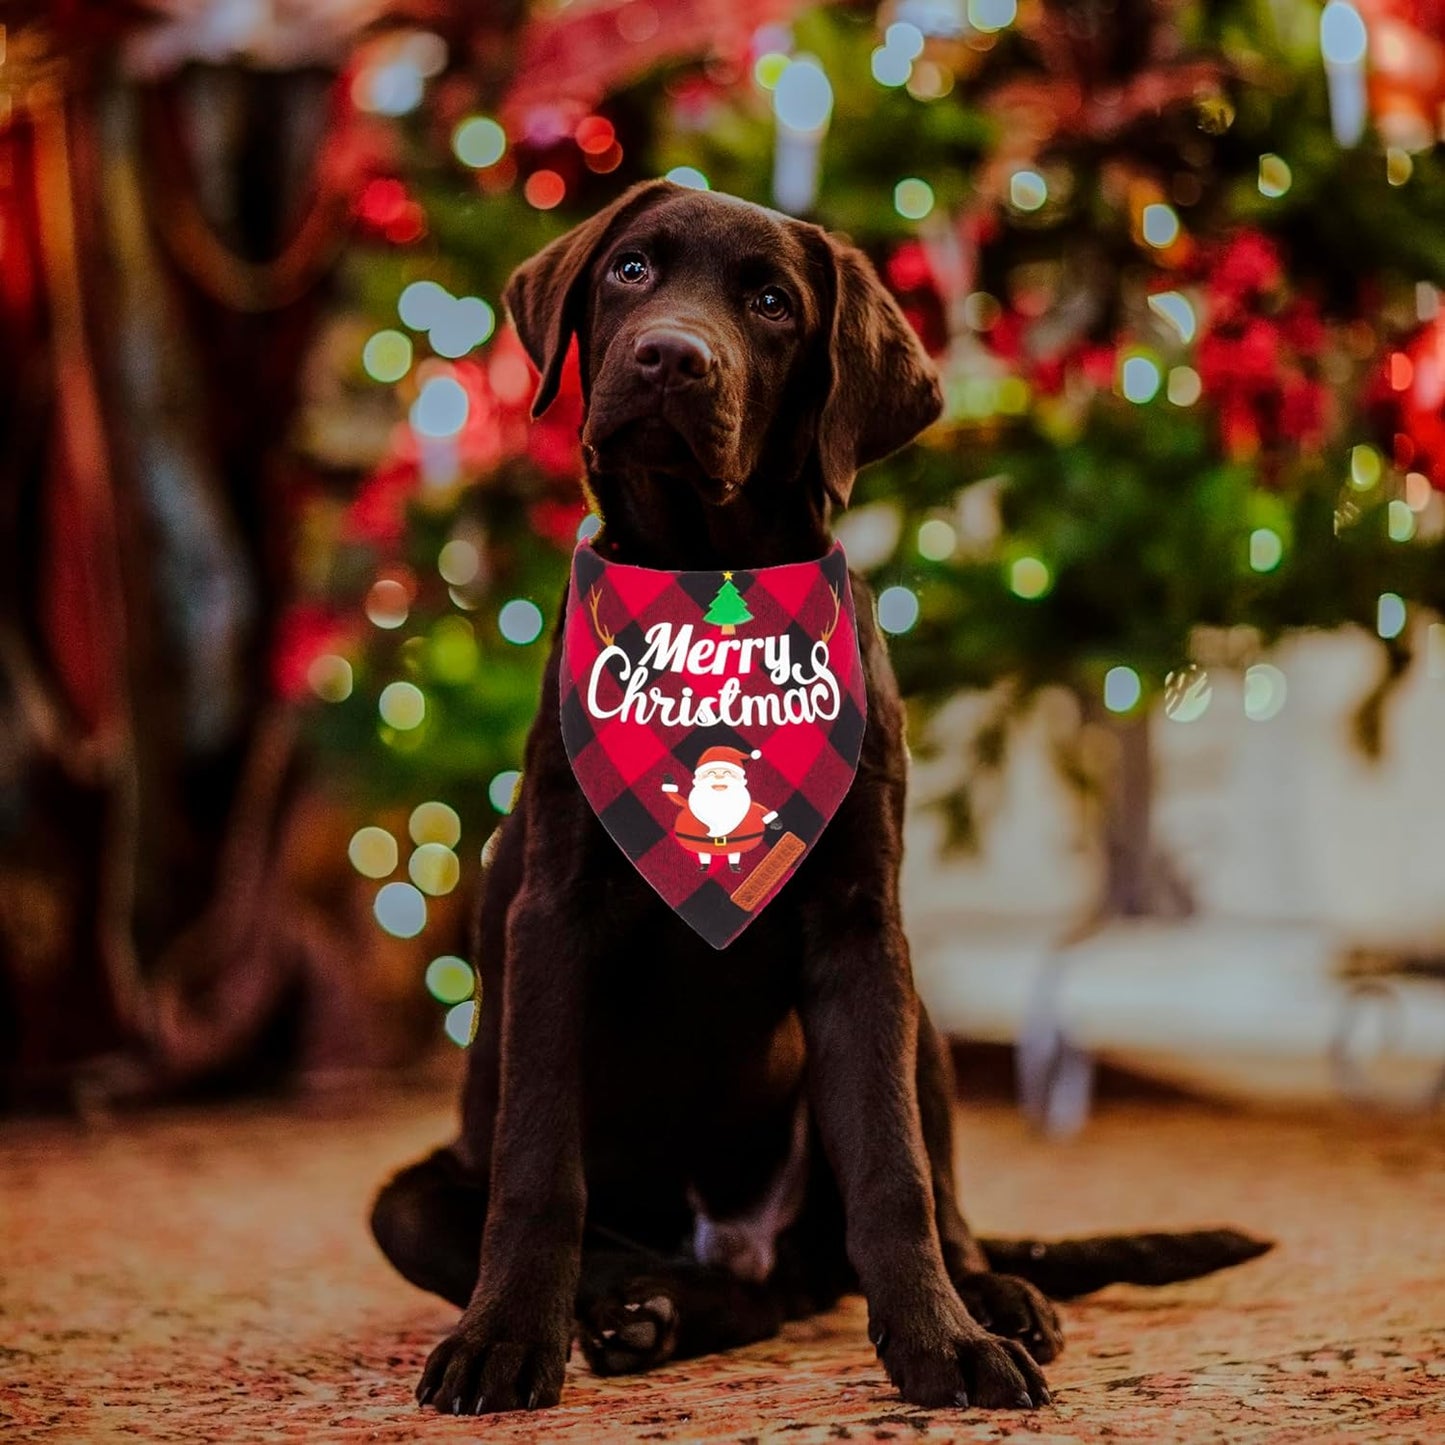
(802, 106)
(1343, 43)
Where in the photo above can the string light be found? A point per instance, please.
(502, 789)
(913, 198)
(440, 409)
(434, 822)
(1028, 578)
(989, 16)
(890, 68)
(1265, 691)
(1185, 386)
(1139, 379)
(1027, 190)
(1400, 521)
(897, 609)
(459, 1023)
(434, 869)
(386, 604)
(400, 909)
(1275, 176)
(449, 979)
(936, 540)
(373, 852)
(479, 142)
(422, 303)
(768, 69)
(1187, 694)
(402, 705)
(545, 190)
(386, 356)
(1390, 615)
(1122, 689)
(1266, 549)
(520, 621)
(459, 562)
(1365, 467)
(1159, 225)
(1174, 307)
(330, 677)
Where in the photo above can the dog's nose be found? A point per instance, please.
(672, 358)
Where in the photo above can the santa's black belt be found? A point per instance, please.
(720, 842)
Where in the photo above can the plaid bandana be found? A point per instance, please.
(714, 721)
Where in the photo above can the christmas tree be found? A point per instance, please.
(1178, 266)
(727, 610)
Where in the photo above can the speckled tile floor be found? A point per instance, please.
(207, 1276)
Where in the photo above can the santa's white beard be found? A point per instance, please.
(719, 812)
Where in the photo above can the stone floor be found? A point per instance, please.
(207, 1276)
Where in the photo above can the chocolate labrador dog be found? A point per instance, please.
(670, 1149)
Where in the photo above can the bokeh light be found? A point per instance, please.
(1265, 691)
(1159, 225)
(897, 609)
(520, 621)
(1266, 549)
(459, 562)
(545, 190)
(441, 408)
(991, 15)
(1275, 176)
(1186, 386)
(479, 142)
(1187, 694)
(450, 979)
(435, 869)
(386, 604)
(422, 303)
(688, 176)
(890, 67)
(402, 705)
(502, 790)
(1139, 379)
(1400, 520)
(330, 677)
(803, 96)
(386, 356)
(1122, 689)
(434, 822)
(1390, 615)
(373, 852)
(912, 198)
(400, 909)
(936, 540)
(460, 1020)
(1028, 578)
(1027, 190)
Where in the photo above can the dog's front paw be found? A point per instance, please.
(948, 1360)
(484, 1367)
(1006, 1305)
(635, 1329)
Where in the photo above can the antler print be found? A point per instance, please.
(606, 638)
(837, 610)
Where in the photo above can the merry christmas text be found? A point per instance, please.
(804, 691)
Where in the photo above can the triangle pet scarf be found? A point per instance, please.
(714, 721)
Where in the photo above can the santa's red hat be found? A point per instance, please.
(728, 757)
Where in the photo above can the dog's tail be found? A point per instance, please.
(1067, 1268)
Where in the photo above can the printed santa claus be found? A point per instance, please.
(718, 818)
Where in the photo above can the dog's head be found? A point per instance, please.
(725, 349)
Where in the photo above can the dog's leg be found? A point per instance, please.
(860, 1019)
(1003, 1304)
(635, 1314)
(509, 1349)
(428, 1221)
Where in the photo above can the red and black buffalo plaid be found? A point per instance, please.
(637, 770)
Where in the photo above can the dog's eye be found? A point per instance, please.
(772, 304)
(630, 269)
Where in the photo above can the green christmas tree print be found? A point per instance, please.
(728, 608)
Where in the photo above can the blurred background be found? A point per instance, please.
(282, 551)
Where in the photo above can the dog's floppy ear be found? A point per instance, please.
(545, 295)
(882, 388)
